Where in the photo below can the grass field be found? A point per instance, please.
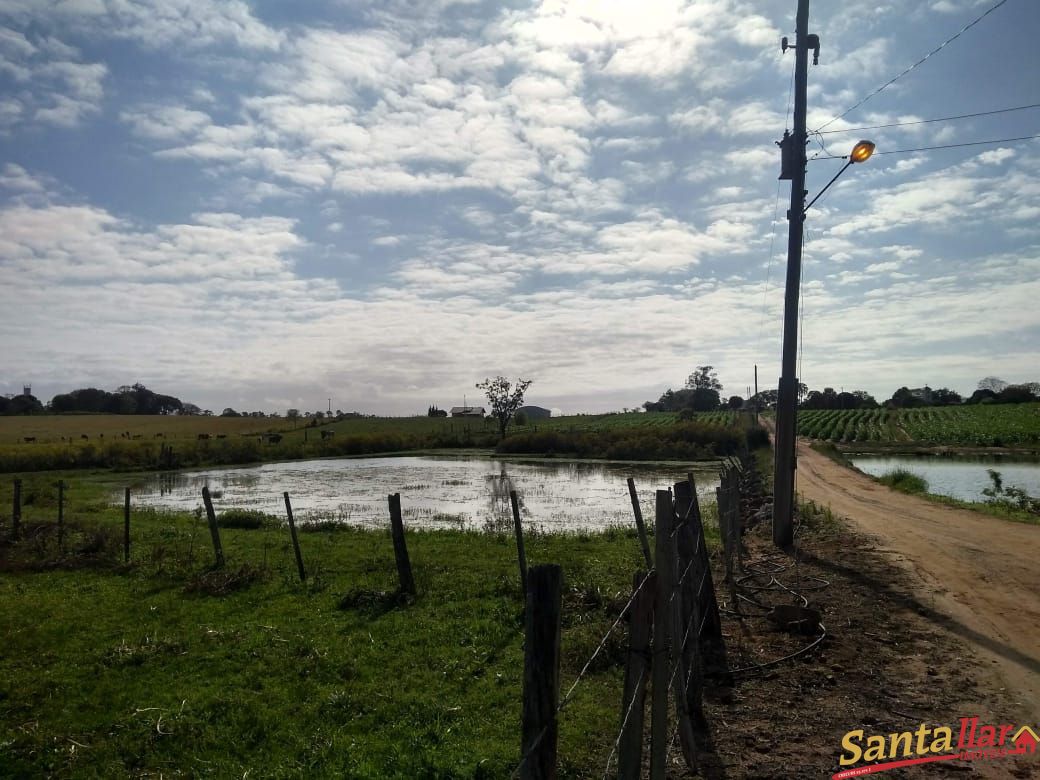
(162, 668)
(134, 442)
(982, 425)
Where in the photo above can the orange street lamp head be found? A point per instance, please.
(861, 152)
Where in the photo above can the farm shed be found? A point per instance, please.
(535, 412)
(467, 411)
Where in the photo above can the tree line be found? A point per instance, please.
(703, 393)
(127, 399)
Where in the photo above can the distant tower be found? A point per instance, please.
(26, 389)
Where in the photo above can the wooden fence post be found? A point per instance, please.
(637, 671)
(692, 544)
(61, 512)
(521, 555)
(541, 672)
(126, 525)
(214, 531)
(640, 526)
(659, 664)
(16, 510)
(404, 566)
(295, 541)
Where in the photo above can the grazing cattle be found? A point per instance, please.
(221, 435)
(203, 436)
(138, 435)
(29, 439)
(84, 436)
(274, 438)
(327, 434)
(159, 436)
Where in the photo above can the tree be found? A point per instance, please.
(735, 402)
(1015, 394)
(229, 412)
(504, 398)
(945, 396)
(294, 415)
(994, 383)
(704, 378)
(707, 389)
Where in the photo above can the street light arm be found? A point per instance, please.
(839, 173)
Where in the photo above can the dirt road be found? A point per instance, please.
(977, 576)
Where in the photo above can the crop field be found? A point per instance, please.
(997, 425)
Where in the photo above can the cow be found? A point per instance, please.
(327, 434)
(84, 436)
(274, 438)
(221, 435)
(203, 436)
(159, 436)
(29, 439)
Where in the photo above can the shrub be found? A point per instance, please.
(904, 480)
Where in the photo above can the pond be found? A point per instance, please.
(436, 492)
(960, 477)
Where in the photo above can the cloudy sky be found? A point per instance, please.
(269, 204)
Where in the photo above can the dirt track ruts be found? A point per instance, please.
(978, 576)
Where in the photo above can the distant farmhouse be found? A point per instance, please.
(535, 412)
(467, 411)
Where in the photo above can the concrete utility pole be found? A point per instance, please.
(787, 394)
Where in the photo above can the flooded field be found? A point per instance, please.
(438, 492)
(962, 477)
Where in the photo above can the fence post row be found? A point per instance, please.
(637, 671)
(61, 512)
(695, 551)
(662, 639)
(214, 531)
(640, 526)
(404, 566)
(126, 525)
(16, 510)
(521, 555)
(541, 690)
(295, 540)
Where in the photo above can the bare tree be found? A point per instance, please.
(504, 398)
(994, 383)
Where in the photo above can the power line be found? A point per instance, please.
(925, 57)
(926, 121)
(944, 146)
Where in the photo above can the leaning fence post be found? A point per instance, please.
(541, 672)
(61, 512)
(691, 538)
(659, 662)
(640, 526)
(521, 555)
(637, 670)
(16, 510)
(214, 531)
(295, 541)
(404, 566)
(126, 525)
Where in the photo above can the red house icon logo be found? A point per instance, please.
(1025, 740)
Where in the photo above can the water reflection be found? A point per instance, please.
(960, 477)
(442, 492)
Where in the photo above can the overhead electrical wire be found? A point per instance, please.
(896, 78)
(943, 146)
(926, 121)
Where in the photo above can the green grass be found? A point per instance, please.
(904, 481)
(629, 436)
(162, 667)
